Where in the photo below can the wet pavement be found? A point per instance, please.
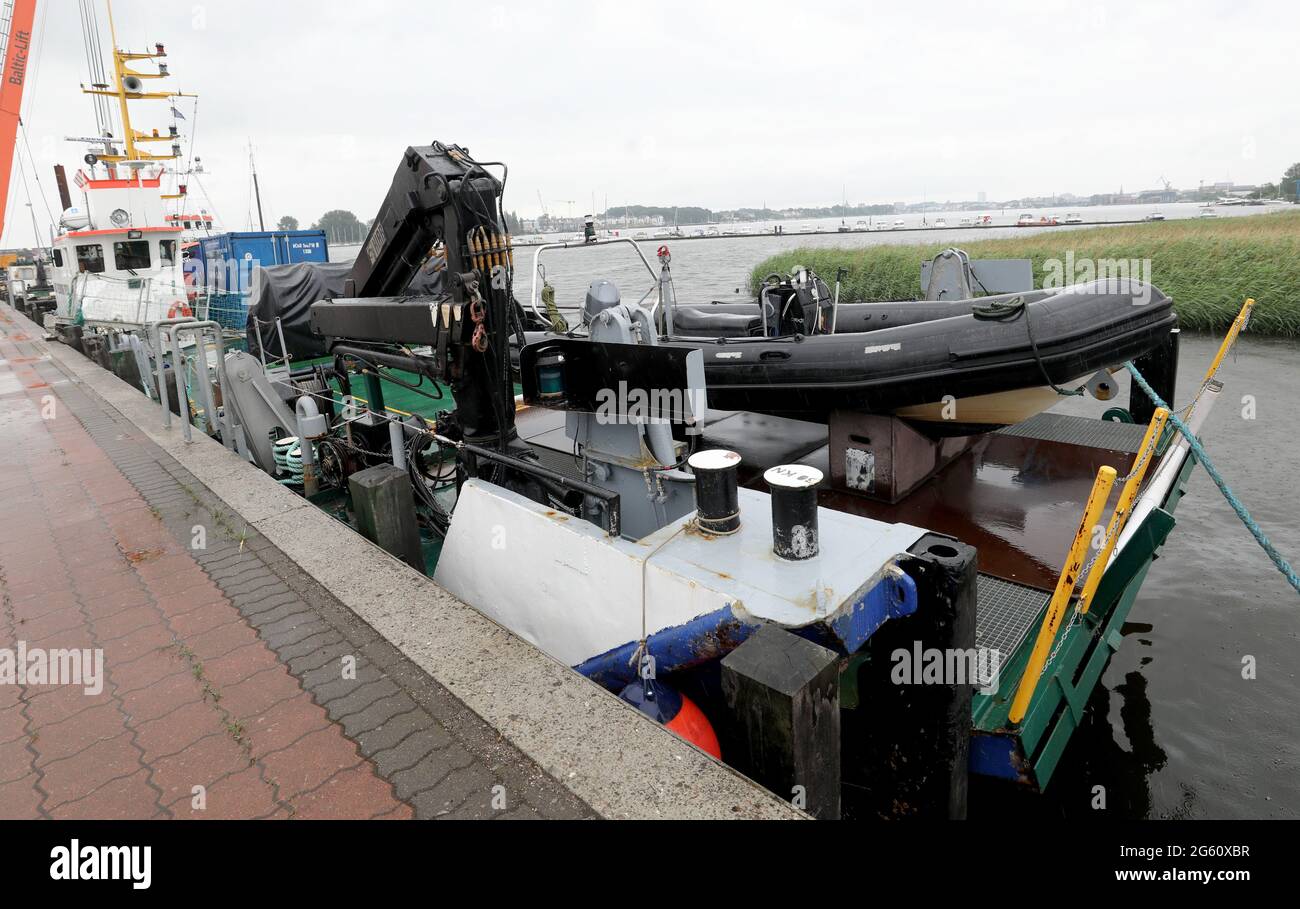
(230, 686)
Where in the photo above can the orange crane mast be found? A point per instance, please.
(17, 52)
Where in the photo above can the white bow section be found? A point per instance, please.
(560, 583)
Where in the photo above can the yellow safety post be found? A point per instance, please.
(1061, 596)
(1238, 326)
(1146, 454)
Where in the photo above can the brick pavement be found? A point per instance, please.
(224, 665)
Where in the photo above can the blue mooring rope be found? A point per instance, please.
(1282, 564)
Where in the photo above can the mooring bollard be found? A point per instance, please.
(784, 695)
(716, 500)
(793, 488)
(928, 722)
(385, 507)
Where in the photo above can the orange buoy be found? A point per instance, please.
(675, 711)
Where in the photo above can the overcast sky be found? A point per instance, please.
(720, 104)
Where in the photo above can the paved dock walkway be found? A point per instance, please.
(232, 685)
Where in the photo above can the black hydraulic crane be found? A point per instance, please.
(443, 202)
(440, 196)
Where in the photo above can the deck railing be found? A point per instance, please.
(127, 302)
(1124, 507)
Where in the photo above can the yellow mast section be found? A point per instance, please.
(119, 90)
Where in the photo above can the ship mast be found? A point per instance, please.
(127, 86)
(261, 225)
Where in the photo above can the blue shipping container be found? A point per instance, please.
(223, 265)
(228, 259)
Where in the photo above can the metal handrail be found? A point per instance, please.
(1194, 415)
(222, 420)
(155, 334)
(537, 253)
(1238, 326)
(1096, 566)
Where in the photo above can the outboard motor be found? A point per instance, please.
(950, 276)
(602, 294)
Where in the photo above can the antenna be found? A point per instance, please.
(129, 85)
(261, 225)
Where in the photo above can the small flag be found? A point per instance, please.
(177, 114)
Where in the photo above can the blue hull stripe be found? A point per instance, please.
(714, 635)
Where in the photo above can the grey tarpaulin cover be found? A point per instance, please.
(287, 292)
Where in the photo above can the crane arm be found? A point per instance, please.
(438, 193)
(17, 52)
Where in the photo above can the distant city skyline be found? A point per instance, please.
(1123, 194)
(1160, 195)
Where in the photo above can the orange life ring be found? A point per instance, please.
(181, 307)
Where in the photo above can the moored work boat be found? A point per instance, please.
(740, 559)
(117, 260)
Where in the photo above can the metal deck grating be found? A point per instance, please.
(1005, 613)
(564, 462)
(1059, 427)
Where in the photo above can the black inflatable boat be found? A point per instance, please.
(911, 358)
(961, 366)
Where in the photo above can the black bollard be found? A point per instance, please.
(716, 502)
(385, 508)
(793, 488)
(907, 746)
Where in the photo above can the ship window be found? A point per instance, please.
(131, 254)
(90, 257)
(167, 252)
(58, 258)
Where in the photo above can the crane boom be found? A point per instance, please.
(438, 193)
(17, 50)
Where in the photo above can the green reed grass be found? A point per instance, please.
(1209, 266)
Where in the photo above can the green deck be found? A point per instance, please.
(397, 398)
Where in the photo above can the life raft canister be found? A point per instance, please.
(675, 711)
(179, 307)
